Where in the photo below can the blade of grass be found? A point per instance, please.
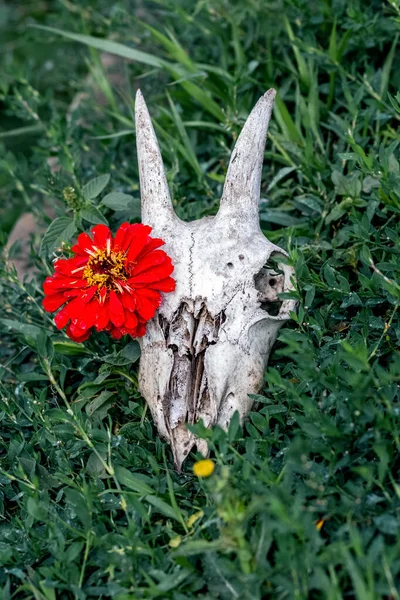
(171, 45)
(190, 153)
(387, 68)
(108, 46)
(333, 56)
(286, 122)
(301, 62)
(172, 498)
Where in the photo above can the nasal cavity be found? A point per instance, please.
(269, 282)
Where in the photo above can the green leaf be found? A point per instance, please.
(126, 356)
(312, 203)
(69, 348)
(131, 352)
(35, 509)
(309, 299)
(193, 547)
(79, 506)
(60, 231)
(329, 275)
(387, 524)
(95, 467)
(44, 346)
(276, 410)
(93, 215)
(120, 201)
(73, 551)
(347, 185)
(280, 175)
(31, 332)
(279, 217)
(234, 426)
(260, 398)
(95, 186)
(48, 592)
(355, 356)
(339, 210)
(131, 481)
(98, 402)
(32, 377)
(163, 507)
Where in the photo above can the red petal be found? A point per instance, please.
(130, 320)
(101, 233)
(145, 308)
(140, 330)
(122, 239)
(53, 302)
(72, 293)
(83, 244)
(88, 315)
(151, 244)
(102, 294)
(66, 266)
(87, 295)
(128, 300)
(152, 295)
(117, 333)
(117, 314)
(75, 308)
(157, 257)
(62, 318)
(139, 238)
(102, 315)
(60, 282)
(165, 285)
(73, 334)
(154, 274)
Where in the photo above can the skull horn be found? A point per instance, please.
(157, 209)
(241, 194)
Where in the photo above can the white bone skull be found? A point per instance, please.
(207, 347)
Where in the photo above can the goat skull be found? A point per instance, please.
(208, 346)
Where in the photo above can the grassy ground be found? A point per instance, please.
(304, 501)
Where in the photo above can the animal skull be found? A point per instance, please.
(208, 346)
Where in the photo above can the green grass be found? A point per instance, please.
(305, 499)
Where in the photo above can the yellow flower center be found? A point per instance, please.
(104, 267)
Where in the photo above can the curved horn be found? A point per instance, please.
(241, 193)
(157, 209)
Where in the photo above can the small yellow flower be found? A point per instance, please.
(203, 468)
(319, 524)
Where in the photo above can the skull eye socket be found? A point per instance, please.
(269, 282)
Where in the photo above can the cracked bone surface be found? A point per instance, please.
(207, 347)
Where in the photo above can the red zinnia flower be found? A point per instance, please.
(111, 284)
